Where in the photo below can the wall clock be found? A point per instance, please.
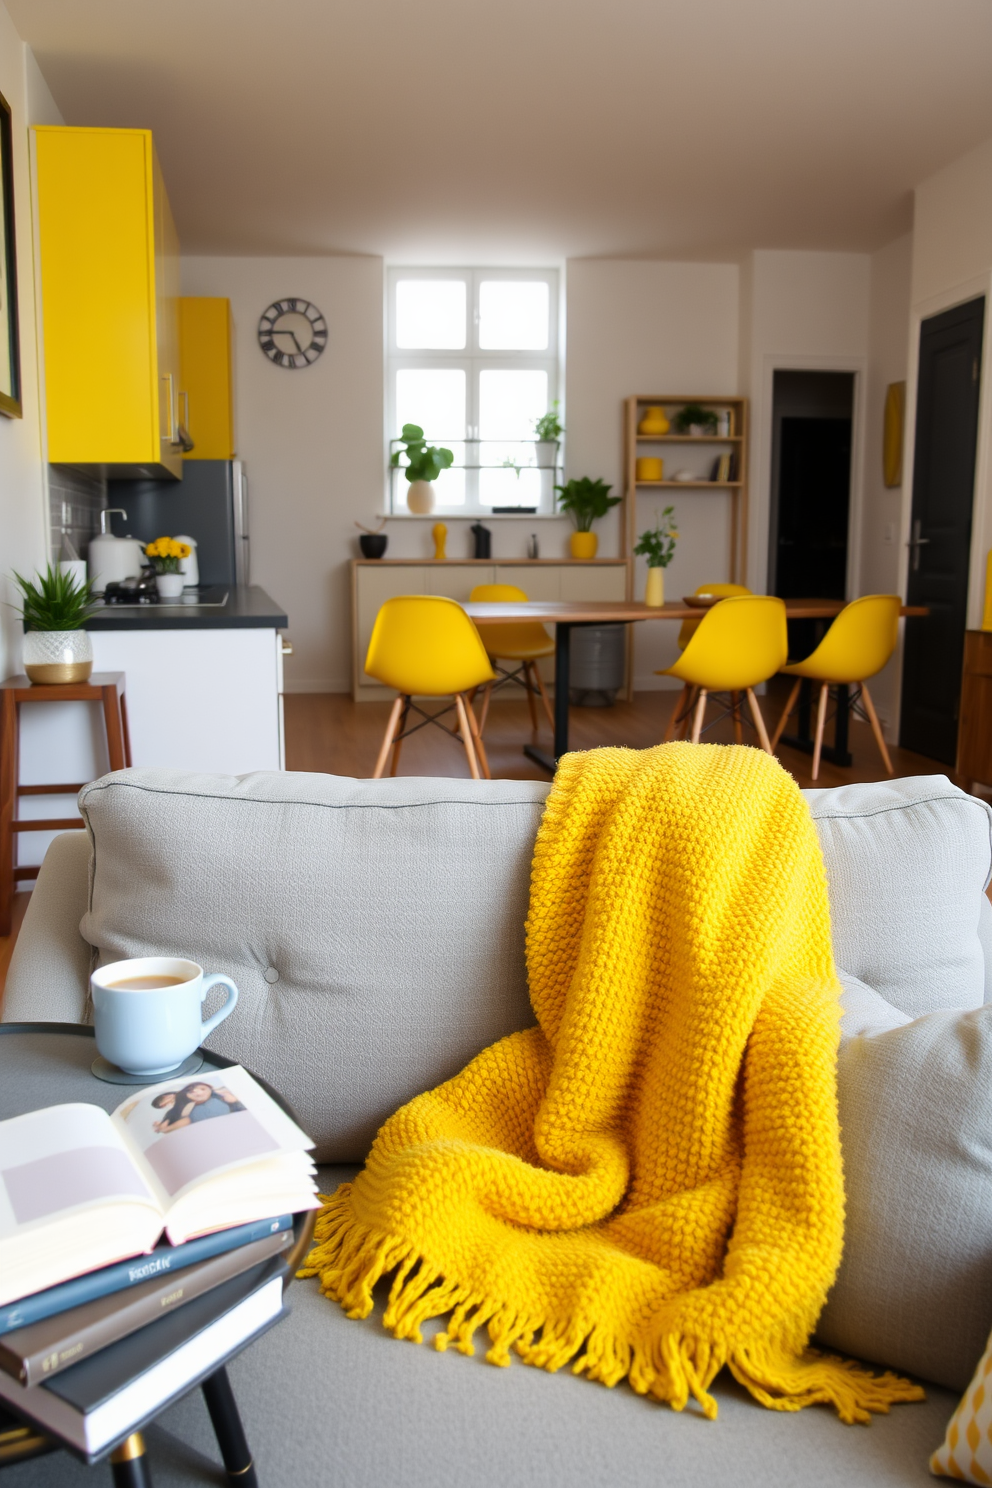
(292, 333)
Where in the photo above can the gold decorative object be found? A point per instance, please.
(439, 532)
(650, 468)
(892, 437)
(654, 422)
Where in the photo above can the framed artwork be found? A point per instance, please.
(10, 361)
(895, 413)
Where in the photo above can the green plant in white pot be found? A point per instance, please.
(549, 430)
(55, 607)
(657, 545)
(424, 464)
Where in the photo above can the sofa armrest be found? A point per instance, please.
(48, 979)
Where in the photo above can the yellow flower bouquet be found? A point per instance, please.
(165, 554)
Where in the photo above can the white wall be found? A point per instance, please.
(23, 501)
(312, 441)
(649, 327)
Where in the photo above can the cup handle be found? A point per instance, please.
(222, 1012)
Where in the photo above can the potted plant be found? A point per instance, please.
(657, 545)
(695, 419)
(372, 540)
(424, 464)
(165, 553)
(54, 610)
(586, 501)
(549, 430)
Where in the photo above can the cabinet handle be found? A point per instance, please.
(171, 436)
(287, 646)
(916, 542)
(183, 435)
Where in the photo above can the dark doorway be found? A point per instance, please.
(940, 528)
(811, 491)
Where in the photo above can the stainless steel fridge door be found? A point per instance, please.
(242, 539)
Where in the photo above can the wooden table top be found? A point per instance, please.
(604, 611)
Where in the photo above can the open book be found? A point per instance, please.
(81, 1189)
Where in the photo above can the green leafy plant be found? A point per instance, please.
(426, 460)
(657, 545)
(549, 426)
(57, 601)
(695, 413)
(585, 501)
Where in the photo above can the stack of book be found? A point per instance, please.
(139, 1250)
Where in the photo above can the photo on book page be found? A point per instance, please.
(188, 1128)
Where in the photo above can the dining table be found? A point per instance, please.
(565, 615)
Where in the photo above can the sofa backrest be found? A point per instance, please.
(375, 929)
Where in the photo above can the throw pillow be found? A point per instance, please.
(966, 1451)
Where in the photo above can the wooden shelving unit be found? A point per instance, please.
(735, 444)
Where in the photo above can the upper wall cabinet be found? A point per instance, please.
(205, 376)
(109, 290)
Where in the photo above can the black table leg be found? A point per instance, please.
(129, 1465)
(228, 1429)
(563, 636)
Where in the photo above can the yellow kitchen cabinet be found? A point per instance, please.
(205, 376)
(109, 259)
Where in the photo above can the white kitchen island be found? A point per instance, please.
(204, 692)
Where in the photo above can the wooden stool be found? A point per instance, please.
(103, 687)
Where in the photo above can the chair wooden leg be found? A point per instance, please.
(670, 725)
(531, 701)
(785, 713)
(480, 748)
(735, 707)
(759, 721)
(380, 763)
(466, 733)
(685, 726)
(484, 714)
(544, 695)
(114, 727)
(394, 763)
(876, 727)
(127, 733)
(821, 719)
(697, 719)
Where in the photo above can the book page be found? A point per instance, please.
(185, 1131)
(60, 1159)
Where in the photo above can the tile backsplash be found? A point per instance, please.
(76, 498)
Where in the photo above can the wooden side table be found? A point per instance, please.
(974, 762)
(106, 688)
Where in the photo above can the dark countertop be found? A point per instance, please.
(247, 607)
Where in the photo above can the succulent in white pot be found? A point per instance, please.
(55, 607)
(549, 430)
(424, 464)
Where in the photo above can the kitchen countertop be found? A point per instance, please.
(247, 607)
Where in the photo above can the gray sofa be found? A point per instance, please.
(375, 930)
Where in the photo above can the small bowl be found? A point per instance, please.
(701, 601)
(372, 544)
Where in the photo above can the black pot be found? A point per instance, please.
(373, 544)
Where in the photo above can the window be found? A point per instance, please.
(473, 359)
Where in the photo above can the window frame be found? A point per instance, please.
(473, 360)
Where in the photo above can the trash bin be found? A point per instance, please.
(598, 657)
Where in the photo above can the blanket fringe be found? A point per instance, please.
(350, 1259)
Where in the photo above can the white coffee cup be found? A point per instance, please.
(150, 1030)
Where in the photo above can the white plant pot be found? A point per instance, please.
(420, 497)
(58, 655)
(169, 585)
(547, 453)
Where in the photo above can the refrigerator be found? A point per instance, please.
(210, 504)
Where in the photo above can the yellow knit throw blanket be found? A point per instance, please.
(648, 1184)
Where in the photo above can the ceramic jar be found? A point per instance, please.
(654, 590)
(654, 422)
(58, 655)
(170, 585)
(584, 544)
(420, 497)
(650, 468)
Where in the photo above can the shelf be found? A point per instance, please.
(443, 516)
(690, 438)
(499, 562)
(688, 485)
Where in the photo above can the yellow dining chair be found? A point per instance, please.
(426, 646)
(688, 629)
(739, 643)
(857, 645)
(524, 643)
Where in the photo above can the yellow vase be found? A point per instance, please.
(584, 544)
(654, 589)
(650, 468)
(654, 422)
(439, 532)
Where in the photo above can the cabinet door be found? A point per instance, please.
(538, 581)
(166, 324)
(455, 580)
(593, 581)
(205, 376)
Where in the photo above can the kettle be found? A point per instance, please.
(111, 558)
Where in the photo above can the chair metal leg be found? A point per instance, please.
(676, 713)
(480, 748)
(531, 704)
(876, 727)
(697, 720)
(380, 763)
(129, 1465)
(821, 719)
(544, 695)
(228, 1429)
(785, 713)
(759, 721)
(394, 763)
(466, 733)
(735, 708)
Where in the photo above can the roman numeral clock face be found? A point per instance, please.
(292, 333)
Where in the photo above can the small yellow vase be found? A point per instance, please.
(440, 535)
(650, 468)
(654, 590)
(654, 421)
(584, 544)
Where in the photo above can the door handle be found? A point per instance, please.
(171, 435)
(916, 542)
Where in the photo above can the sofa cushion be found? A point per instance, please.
(914, 1290)
(374, 928)
(907, 861)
